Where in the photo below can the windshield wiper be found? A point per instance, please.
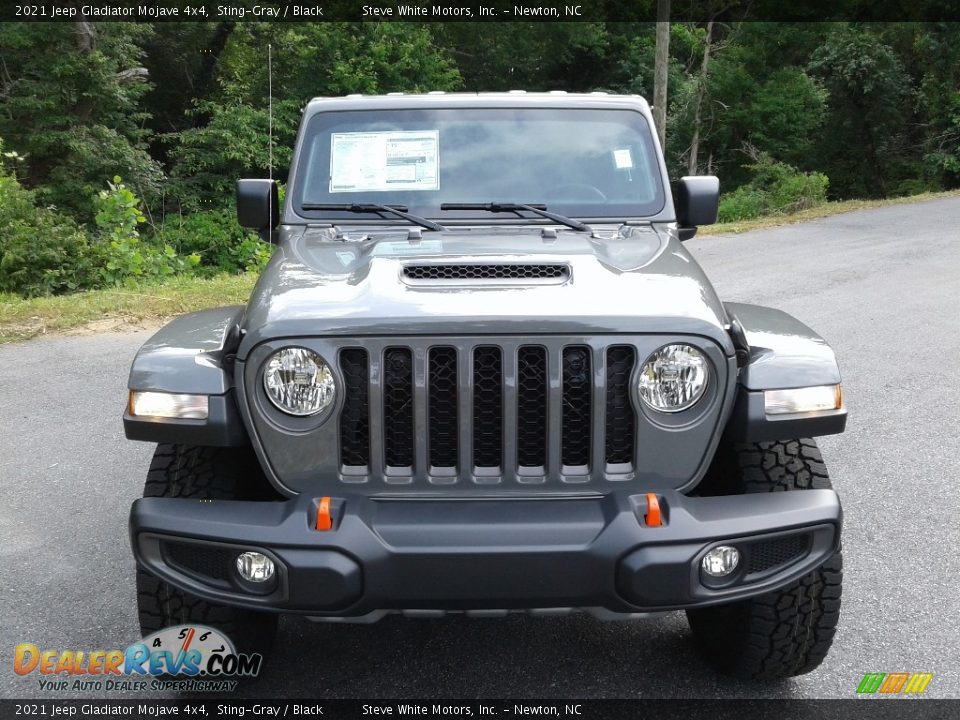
(398, 210)
(540, 210)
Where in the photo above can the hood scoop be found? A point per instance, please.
(486, 273)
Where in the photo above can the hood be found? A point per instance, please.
(633, 279)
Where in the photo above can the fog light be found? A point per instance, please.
(721, 561)
(254, 567)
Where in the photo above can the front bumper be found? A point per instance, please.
(393, 553)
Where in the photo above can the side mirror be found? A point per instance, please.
(697, 201)
(258, 205)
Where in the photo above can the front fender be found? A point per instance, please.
(782, 353)
(189, 355)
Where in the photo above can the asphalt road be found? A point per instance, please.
(880, 285)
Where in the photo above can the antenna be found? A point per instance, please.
(270, 126)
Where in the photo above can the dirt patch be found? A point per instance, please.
(116, 324)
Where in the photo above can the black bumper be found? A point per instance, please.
(433, 554)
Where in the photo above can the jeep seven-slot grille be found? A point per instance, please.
(487, 412)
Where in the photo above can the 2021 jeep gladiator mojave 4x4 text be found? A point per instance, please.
(482, 374)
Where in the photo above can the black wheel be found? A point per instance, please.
(786, 632)
(204, 473)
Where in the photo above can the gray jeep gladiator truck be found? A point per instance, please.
(481, 374)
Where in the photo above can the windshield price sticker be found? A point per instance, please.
(384, 161)
(622, 158)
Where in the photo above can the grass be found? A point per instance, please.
(150, 304)
(144, 304)
(821, 211)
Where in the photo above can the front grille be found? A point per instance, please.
(487, 271)
(768, 554)
(486, 411)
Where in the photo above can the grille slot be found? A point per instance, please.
(620, 420)
(532, 387)
(398, 410)
(355, 417)
(203, 560)
(577, 405)
(442, 399)
(487, 408)
(542, 272)
(768, 554)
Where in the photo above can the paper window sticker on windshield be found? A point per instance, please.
(622, 158)
(385, 161)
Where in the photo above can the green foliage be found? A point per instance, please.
(870, 95)
(41, 252)
(125, 255)
(71, 104)
(775, 188)
(217, 239)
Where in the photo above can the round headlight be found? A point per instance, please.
(673, 378)
(298, 382)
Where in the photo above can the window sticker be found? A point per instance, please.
(384, 161)
(622, 158)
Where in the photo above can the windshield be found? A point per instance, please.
(590, 164)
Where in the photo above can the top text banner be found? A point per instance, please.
(473, 11)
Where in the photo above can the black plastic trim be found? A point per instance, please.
(222, 428)
(749, 422)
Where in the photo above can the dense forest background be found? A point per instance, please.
(120, 143)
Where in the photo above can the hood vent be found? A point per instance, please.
(483, 273)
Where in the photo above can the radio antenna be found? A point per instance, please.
(270, 126)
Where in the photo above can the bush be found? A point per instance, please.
(217, 239)
(125, 255)
(775, 189)
(41, 252)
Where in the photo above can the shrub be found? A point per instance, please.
(125, 255)
(41, 251)
(217, 239)
(775, 189)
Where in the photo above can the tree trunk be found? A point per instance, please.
(661, 63)
(86, 35)
(698, 102)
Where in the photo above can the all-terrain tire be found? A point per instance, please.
(204, 473)
(785, 632)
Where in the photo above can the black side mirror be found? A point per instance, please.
(697, 201)
(258, 205)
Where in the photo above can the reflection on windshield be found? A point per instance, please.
(585, 163)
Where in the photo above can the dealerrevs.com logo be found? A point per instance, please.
(183, 658)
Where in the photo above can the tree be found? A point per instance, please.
(869, 99)
(71, 105)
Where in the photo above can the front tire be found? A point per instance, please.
(786, 632)
(203, 473)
